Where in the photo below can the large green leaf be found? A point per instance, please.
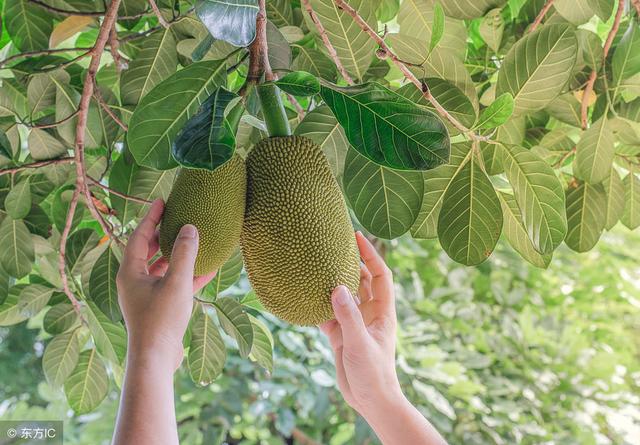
(59, 318)
(631, 215)
(61, 357)
(226, 276)
(470, 220)
(207, 352)
(41, 91)
(575, 11)
(28, 24)
(385, 201)
(626, 58)
(17, 253)
(156, 61)
(539, 195)
(9, 309)
(233, 21)
(88, 384)
(321, 126)
(24, 302)
(235, 322)
(595, 152)
(299, 83)
(537, 67)
(13, 100)
(387, 128)
(110, 338)
(492, 28)
(262, 348)
(42, 145)
(161, 114)
(102, 284)
(315, 62)
(279, 12)
(78, 245)
(18, 200)
(355, 48)
(516, 233)
(497, 113)
(586, 215)
(469, 9)
(614, 188)
(208, 139)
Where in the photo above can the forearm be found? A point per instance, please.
(146, 414)
(398, 422)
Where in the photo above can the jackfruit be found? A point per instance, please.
(213, 201)
(297, 239)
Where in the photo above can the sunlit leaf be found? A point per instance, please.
(233, 21)
(88, 383)
(586, 215)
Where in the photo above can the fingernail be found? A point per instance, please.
(343, 296)
(188, 231)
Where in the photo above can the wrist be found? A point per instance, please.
(154, 354)
(393, 401)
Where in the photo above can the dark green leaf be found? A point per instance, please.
(18, 200)
(59, 318)
(28, 24)
(17, 253)
(497, 113)
(102, 284)
(299, 83)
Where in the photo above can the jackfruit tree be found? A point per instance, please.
(286, 125)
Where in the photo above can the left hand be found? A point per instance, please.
(157, 299)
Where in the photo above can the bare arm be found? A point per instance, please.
(156, 302)
(363, 338)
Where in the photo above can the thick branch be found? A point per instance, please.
(541, 15)
(117, 193)
(327, 43)
(38, 164)
(584, 105)
(258, 51)
(158, 14)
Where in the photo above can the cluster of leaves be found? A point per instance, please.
(515, 124)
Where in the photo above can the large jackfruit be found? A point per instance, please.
(213, 201)
(297, 240)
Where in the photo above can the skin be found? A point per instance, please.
(157, 300)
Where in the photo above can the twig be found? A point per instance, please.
(66, 160)
(584, 105)
(98, 96)
(422, 86)
(636, 4)
(156, 11)
(42, 52)
(114, 47)
(135, 36)
(117, 193)
(327, 43)
(66, 63)
(52, 124)
(69, 12)
(297, 106)
(541, 15)
(564, 158)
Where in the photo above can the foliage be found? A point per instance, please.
(460, 120)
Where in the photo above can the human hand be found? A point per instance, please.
(363, 337)
(157, 299)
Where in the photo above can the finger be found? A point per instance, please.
(203, 280)
(154, 245)
(159, 267)
(183, 256)
(381, 280)
(333, 332)
(135, 254)
(354, 332)
(364, 290)
(341, 376)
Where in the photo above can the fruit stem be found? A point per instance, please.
(273, 111)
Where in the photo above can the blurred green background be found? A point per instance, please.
(504, 353)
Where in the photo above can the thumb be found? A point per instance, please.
(349, 317)
(183, 256)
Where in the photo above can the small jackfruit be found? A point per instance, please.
(213, 201)
(297, 239)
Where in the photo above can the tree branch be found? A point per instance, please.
(636, 4)
(42, 52)
(38, 164)
(68, 12)
(114, 47)
(98, 96)
(138, 35)
(52, 124)
(117, 193)
(258, 51)
(584, 105)
(156, 11)
(327, 43)
(541, 15)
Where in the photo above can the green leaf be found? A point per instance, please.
(23, 302)
(614, 188)
(387, 128)
(539, 195)
(102, 284)
(226, 276)
(78, 245)
(469, 9)
(156, 61)
(9, 309)
(631, 216)
(13, 100)
(88, 384)
(42, 145)
(516, 233)
(437, 29)
(17, 253)
(38, 222)
(262, 347)
(595, 152)
(161, 114)
(354, 48)
(470, 220)
(626, 58)
(207, 352)
(110, 338)
(61, 357)
(279, 12)
(385, 201)
(279, 50)
(586, 215)
(565, 108)
(235, 322)
(575, 11)
(299, 83)
(18, 200)
(208, 139)
(537, 67)
(321, 126)
(28, 24)
(233, 21)
(491, 29)
(436, 183)
(497, 113)
(314, 62)
(59, 318)
(41, 91)
(60, 208)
